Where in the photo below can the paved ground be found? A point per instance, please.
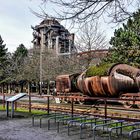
(20, 128)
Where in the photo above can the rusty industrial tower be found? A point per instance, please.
(51, 34)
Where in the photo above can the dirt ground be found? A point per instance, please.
(20, 128)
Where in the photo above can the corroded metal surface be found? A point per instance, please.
(66, 83)
(63, 83)
(122, 78)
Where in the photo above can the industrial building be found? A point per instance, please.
(50, 34)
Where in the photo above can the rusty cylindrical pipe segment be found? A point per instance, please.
(122, 79)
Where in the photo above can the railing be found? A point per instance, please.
(105, 107)
(131, 133)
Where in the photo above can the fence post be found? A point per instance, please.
(105, 108)
(29, 94)
(48, 104)
(3, 95)
(72, 107)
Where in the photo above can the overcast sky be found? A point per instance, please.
(16, 20)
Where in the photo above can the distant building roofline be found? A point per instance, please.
(99, 50)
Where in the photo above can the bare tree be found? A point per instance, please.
(89, 39)
(55, 65)
(30, 67)
(83, 10)
(52, 65)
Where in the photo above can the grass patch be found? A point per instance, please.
(2, 108)
(24, 111)
(33, 112)
(100, 70)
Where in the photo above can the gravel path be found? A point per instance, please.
(22, 129)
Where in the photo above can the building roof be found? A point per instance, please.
(95, 53)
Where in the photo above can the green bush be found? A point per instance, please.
(100, 70)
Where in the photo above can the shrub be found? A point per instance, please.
(100, 70)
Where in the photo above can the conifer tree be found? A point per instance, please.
(18, 59)
(3, 60)
(126, 42)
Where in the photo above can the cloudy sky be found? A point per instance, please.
(16, 20)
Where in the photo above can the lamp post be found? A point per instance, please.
(41, 57)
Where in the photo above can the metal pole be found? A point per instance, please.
(15, 105)
(12, 109)
(40, 71)
(7, 108)
(105, 108)
(29, 94)
(41, 57)
(72, 107)
(48, 88)
(48, 104)
(3, 101)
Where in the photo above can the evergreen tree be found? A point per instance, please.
(3, 60)
(18, 59)
(126, 42)
(20, 54)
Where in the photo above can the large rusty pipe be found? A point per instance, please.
(125, 69)
(66, 83)
(63, 83)
(97, 87)
(83, 84)
(90, 86)
(124, 78)
(106, 86)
